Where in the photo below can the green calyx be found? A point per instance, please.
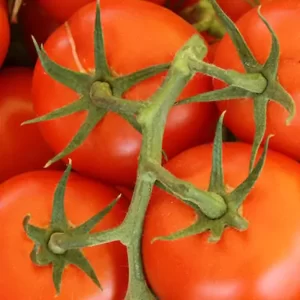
(233, 198)
(259, 83)
(47, 249)
(109, 86)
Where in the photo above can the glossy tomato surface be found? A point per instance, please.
(33, 193)
(22, 147)
(111, 150)
(4, 31)
(234, 9)
(260, 263)
(62, 10)
(282, 16)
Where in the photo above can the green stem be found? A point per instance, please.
(61, 242)
(253, 82)
(111, 103)
(152, 120)
(133, 229)
(211, 204)
(217, 29)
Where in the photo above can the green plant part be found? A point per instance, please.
(233, 198)
(218, 207)
(44, 253)
(110, 86)
(203, 17)
(211, 203)
(264, 87)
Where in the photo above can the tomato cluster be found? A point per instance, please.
(91, 151)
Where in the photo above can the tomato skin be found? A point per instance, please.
(260, 263)
(212, 51)
(23, 148)
(282, 15)
(4, 31)
(33, 193)
(234, 9)
(35, 21)
(62, 10)
(115, 158)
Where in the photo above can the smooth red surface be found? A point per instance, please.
(22, 148)
(260, 263)
(234, 9)
(137, 34)
(4, 31)
(33, 193)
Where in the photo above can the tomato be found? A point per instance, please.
(111, 150)
(53, 13)
(22, 147)
(33, 192)
(282, 15)
(212, 51)
(4, 31)
(159, 2)
(234, 9)
(62, 10)
(128, 193)
(35, 21)
(260, 263)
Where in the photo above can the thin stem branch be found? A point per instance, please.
(211, 204)
(115, 104)
(61, 242)
(253, 82)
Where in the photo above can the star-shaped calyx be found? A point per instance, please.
(42, 253)
(233, 198)
(110, 86)
(236, 89)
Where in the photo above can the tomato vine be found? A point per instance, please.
(217, 207)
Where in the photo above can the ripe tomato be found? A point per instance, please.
(260, 263)
(282, 15)
(4, 31)
(62, 10)
(111, 151)
(33, 193)
(22, 147)
(234, 9)
(212, 51)
(35, 21)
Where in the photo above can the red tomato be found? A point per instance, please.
(282, 15)
(22, 147)
(33, 193)
(260, 263)
(4, 31)
(35, 21)
(159, 2)
(62, 10)
(234, 9)
(111, 151)
(212, 51)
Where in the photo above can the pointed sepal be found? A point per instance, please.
(233, 199)
(46, 253)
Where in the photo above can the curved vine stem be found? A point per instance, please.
(216, 208)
